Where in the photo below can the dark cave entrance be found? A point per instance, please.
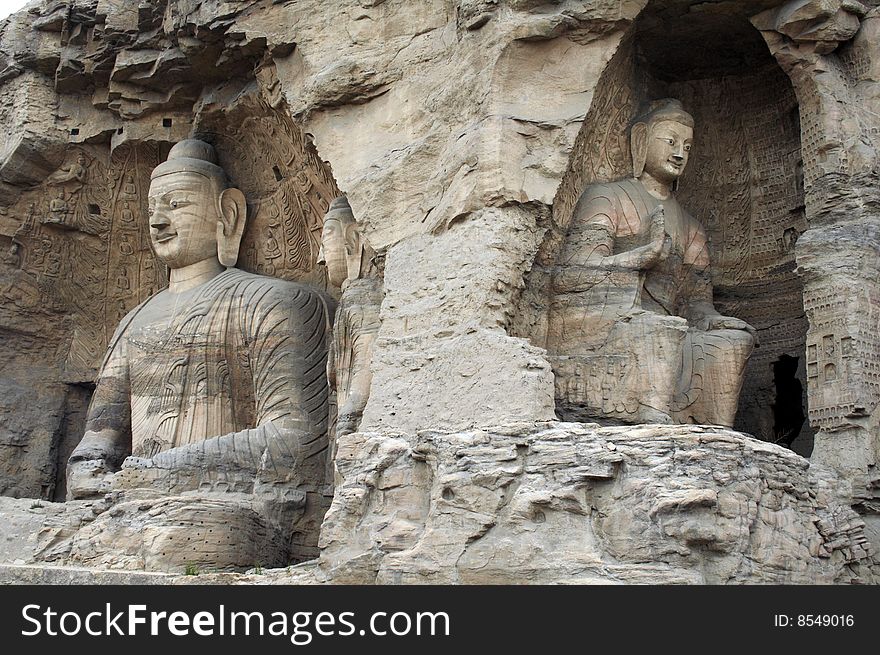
(788, 408)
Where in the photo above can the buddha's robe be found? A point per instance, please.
(354, 333)
(641, 325)
(226, 380)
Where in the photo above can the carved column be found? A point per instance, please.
(834, 78)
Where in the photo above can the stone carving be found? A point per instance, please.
(61, 302)
(745, 183)
(836, 83)
(632, 323)
(216, 383)
(12, 257)
(288, 188)
(463, 152)
(351, 266)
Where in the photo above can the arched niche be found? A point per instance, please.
(77, 255)
(744, 182)
(287, 186)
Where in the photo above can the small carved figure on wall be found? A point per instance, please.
(53, 268)
(273, 250)
(127, 214)
(129, 188)
(72, 176)
(351, 266)
(58, 210)
(12, 258)
(125, 245)
(122, 282)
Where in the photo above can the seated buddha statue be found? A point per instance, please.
(634, 333)
(217, 383)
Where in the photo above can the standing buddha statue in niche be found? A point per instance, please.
(633, 328)
(351, 266)
(217, 382)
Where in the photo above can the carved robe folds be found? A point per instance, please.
(224, 389)
(236, 352)
(630, 342)
(354, 332)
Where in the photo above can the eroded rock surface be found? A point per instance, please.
(546, 503)
(565, 502)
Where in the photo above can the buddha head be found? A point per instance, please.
(660, 141)
(343, 248)
(193, 214)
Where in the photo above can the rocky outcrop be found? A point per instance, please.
(515, 504)
(566, 502)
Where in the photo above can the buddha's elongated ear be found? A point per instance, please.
(638, 143)
(353, 250)
(232, 213)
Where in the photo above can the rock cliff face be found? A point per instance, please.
(461, 132)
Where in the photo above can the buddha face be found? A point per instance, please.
(667, 151)
(183, 212)
(333, 251)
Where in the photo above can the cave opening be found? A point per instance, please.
(788, 407)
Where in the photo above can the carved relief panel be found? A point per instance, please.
(83, 248)
(843, 368)
(287, 186)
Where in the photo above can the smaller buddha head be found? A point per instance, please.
(344, 250)
(660, 141)
(193, 213)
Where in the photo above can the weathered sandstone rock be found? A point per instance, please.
(576, 503)
(462, 133)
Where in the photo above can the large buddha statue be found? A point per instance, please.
(634, 333)
(217, 383)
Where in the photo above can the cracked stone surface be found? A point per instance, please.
(460, 131)
(566, 502)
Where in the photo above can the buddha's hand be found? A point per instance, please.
(87, 478)
(719, 322)
(657, 218)
(661, 242)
